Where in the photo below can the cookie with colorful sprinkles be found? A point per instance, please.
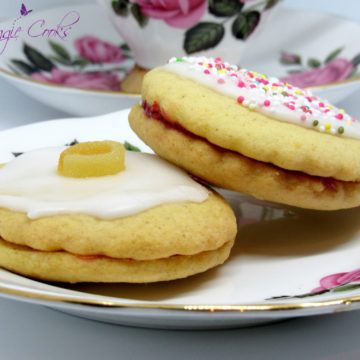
(96, 213)
(245, 131)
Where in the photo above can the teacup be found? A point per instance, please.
(156, 30)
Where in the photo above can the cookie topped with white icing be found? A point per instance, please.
(249, 132)
(95, 213)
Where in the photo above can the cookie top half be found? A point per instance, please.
(257, 116)
(148, 210)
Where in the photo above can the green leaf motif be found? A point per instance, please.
(16, 154)
(60, 51)
(313, 63)
(37, 59)
(270, 4)
(131, 147)
(238, 26)
(80, 62)
(295, 71)
(23, 67)
(245, 24)
(126, 51)
(353, 73)
(136, 12)
(125, 47)
(356, 60)
(72, 143)
(60, 61)
(334, 54)
(225, 8)
(120, 7)
(203, 36)
(346, 287)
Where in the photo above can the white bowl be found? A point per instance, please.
(296, 32)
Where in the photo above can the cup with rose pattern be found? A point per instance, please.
(157, 30)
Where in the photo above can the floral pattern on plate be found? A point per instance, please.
(315, 72)
(96, 65)
(338, 282)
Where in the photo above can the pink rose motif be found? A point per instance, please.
(98, 51)
(90, 80)
(336, 70)
(176, 13)
(334, 280)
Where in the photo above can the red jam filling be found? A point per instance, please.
(98, 257)
(153, 111)
(91, 257)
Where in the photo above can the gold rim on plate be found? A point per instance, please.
(347, 301)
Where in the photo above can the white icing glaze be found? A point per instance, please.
(269, 96)
(30, 184)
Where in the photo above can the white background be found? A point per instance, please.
(34, 332)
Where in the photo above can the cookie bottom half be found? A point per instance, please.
(182, 228)
(231, 170)
(65, 267)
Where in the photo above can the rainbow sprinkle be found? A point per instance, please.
(268, 95)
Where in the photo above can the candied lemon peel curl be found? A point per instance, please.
(92, 159)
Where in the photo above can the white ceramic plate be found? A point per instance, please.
(306, 41)
(280, 256)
